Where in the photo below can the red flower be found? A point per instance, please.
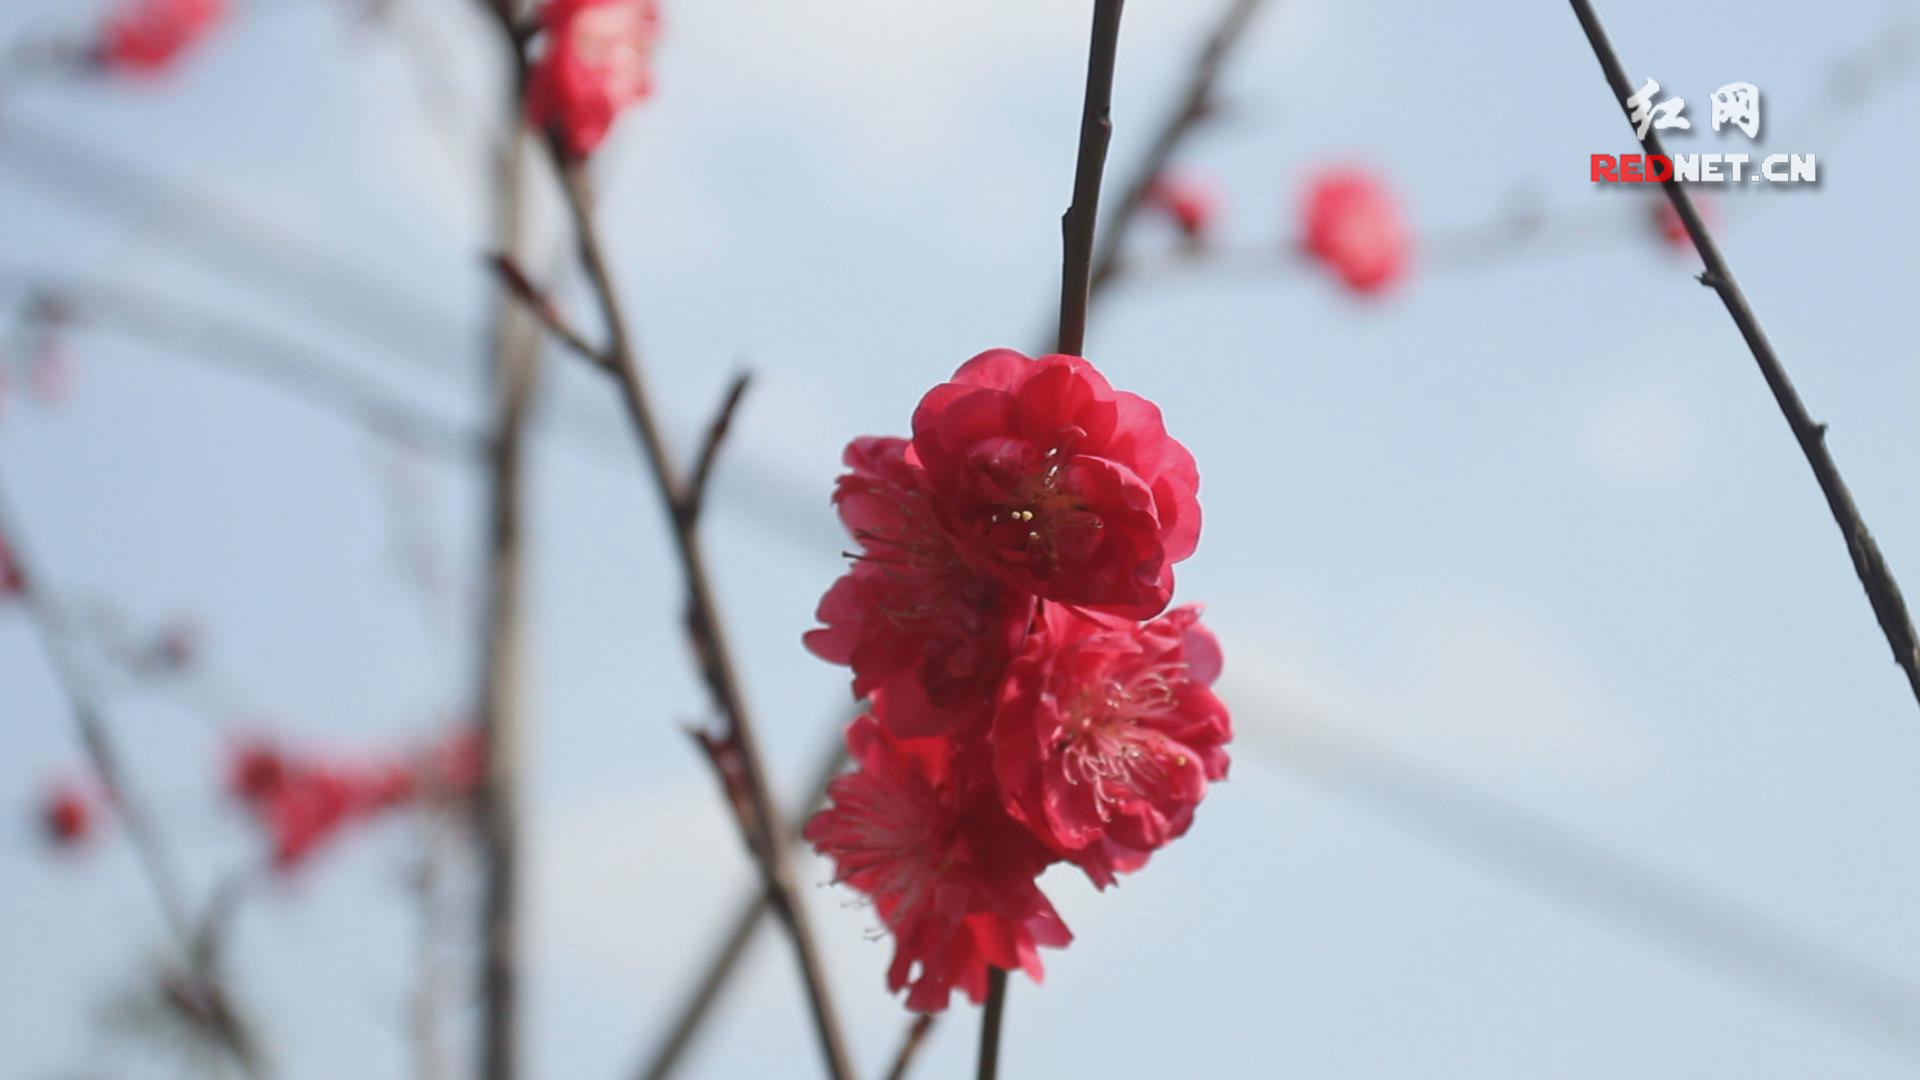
(67, 816)
(1354, 226)
(12, 581)
(1108, 735)
(301, 804)
(1058, 484)
(951, 876)
(913, 619)
(145, 37)
(598, 61)
(1191, 203)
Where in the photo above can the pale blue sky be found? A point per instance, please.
(1536, 527)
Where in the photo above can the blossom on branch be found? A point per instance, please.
(598, 61)
(146, 37)
(1107, 736)
(1020, 712)
(1353, 225)
(1058, 484)
(302, 802)
(951, 875)
(913, 618)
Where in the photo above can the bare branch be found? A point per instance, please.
(1077, 224)
(143, 832)
(1883, 592)
(910, 1045)
(696, 493)
(543, 308)
(1197, 103)
(713, 979)
(704, 626)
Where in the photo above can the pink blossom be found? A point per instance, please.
(1354, 226)
(1107, 737)
(146, 37)
(913, 618)
(1058, 484)
(598, 61)
(950, 874)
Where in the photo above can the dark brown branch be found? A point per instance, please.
(763, 827)
(910, 1045)
(134, 815)
(543, 308)
(1883, 592)
(1196, 104)
(713, 979)
(990, 1018)
(696, 493)
(1096, 131)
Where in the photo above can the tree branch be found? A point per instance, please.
(1197, 103)
(1883, 592)
(516, 348)
(143, 834)
(1096, 131)
(696, 493)
(541, 304)
(910, 1046)
(762, 826)
(713, 979)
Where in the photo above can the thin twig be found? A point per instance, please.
(1077, 224)
(763, 827)
(713, 979)
(1196, 104)
(910, 1045)
(541, 304)
(990, 1017)
(135, 817)
(696, 493)
(1883, 592)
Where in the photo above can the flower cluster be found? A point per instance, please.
(300, 801)
(598, 61)
(146, 37)
(1031, 700)
(1353, 225)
